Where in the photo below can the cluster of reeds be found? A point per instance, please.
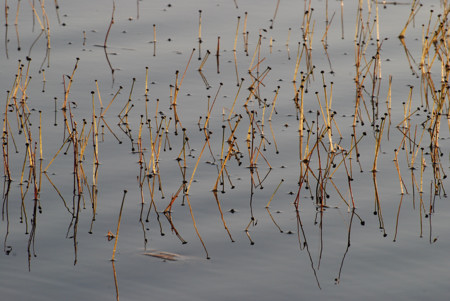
(243, 138)
(77, 136)
(317, 145)
(17, 120)
(418, 150)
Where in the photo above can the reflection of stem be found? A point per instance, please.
(16, 25)
(378, 205)
(115, 281)
(59, 193)
(273, 220)
(34, 42)
(305, 245)
(110, 24)
(218, 54)
(252, 221)
(152, 203)
(106, 39)
(17, 35)
(221, 215)
(409, 56)
(398, 215)
(431, 209)
(6, 27)
(33, 235)
(172, 226)
(109, 64)
(204, 79)
(141, 221)
(338, 279)
(75, 229)
(378, 143)
(57, 11)
(321, 238)
(5, 209)
(349, 180)
(195, 226)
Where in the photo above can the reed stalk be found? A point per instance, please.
(118, 227)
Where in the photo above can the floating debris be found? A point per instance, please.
(164, 255)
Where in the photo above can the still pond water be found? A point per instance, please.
(187, 94)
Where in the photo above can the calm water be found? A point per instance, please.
(333, 253)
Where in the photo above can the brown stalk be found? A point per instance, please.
(270, 200)
(67, 91)
(274, 15)
(118, 226)
(415, 7)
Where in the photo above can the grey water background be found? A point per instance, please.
(276, 266)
